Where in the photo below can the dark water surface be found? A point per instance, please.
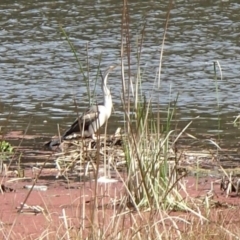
(40, 77)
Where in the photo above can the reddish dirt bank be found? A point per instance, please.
(73, 196)
(59, 195)
(44, 218)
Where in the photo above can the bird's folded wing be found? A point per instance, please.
(89, 116)
(84, 121)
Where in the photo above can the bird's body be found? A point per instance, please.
(89, 122)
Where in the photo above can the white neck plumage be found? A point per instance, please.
(107, 96)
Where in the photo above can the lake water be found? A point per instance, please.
(40, 77)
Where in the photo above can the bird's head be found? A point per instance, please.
(104, 80)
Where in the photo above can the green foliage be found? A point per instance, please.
(5, 147)
(151, 179)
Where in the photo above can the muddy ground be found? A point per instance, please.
(44, 209)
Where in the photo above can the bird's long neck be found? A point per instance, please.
(107, 100)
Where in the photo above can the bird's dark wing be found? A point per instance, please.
(84, 121)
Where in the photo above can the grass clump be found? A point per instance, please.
(151, 176)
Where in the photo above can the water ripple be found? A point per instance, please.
(40, 76)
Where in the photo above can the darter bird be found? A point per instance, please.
(89, 122)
